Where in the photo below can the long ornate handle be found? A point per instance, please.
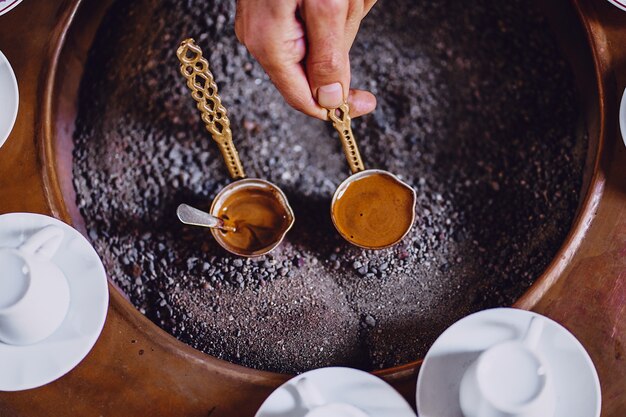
(195, 68)
(341, 122)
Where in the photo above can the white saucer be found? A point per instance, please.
(8, 5)
(622, 118)
(24, 367)
(620, 4)
(10, 97)
(338, 385)
(576, 380)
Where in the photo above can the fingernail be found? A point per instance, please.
(330, 96)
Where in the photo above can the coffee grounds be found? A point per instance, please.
(476, 110)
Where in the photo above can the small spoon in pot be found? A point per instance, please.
(258, 209)
(193, 216)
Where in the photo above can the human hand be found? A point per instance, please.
(304, 45)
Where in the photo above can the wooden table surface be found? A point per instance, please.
(136, 370)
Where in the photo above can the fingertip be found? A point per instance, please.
(313, 110)
(303, 104)
(361, 102)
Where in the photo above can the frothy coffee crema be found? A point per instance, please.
(374, 211)
(259, 217)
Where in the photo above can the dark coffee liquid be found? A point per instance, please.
(259, 216)
(374, 211)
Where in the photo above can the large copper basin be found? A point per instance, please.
(138, 369)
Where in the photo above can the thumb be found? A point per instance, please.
(327, 63)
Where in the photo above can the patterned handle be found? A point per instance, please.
(200, 81)
(341, 122)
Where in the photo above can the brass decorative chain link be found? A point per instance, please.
(195, 68)
(341, 122)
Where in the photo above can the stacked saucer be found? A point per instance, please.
(53, 299)
(554, 365)
(501, 362)
(336, 392)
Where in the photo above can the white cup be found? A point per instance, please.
(34, 294)
(510, 379)
(319, 407)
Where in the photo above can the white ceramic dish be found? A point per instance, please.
(622, 117)
(9, 100)
(8, 5)
(338, 385)
(24, 367)
(576, 382)
(621, 4)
